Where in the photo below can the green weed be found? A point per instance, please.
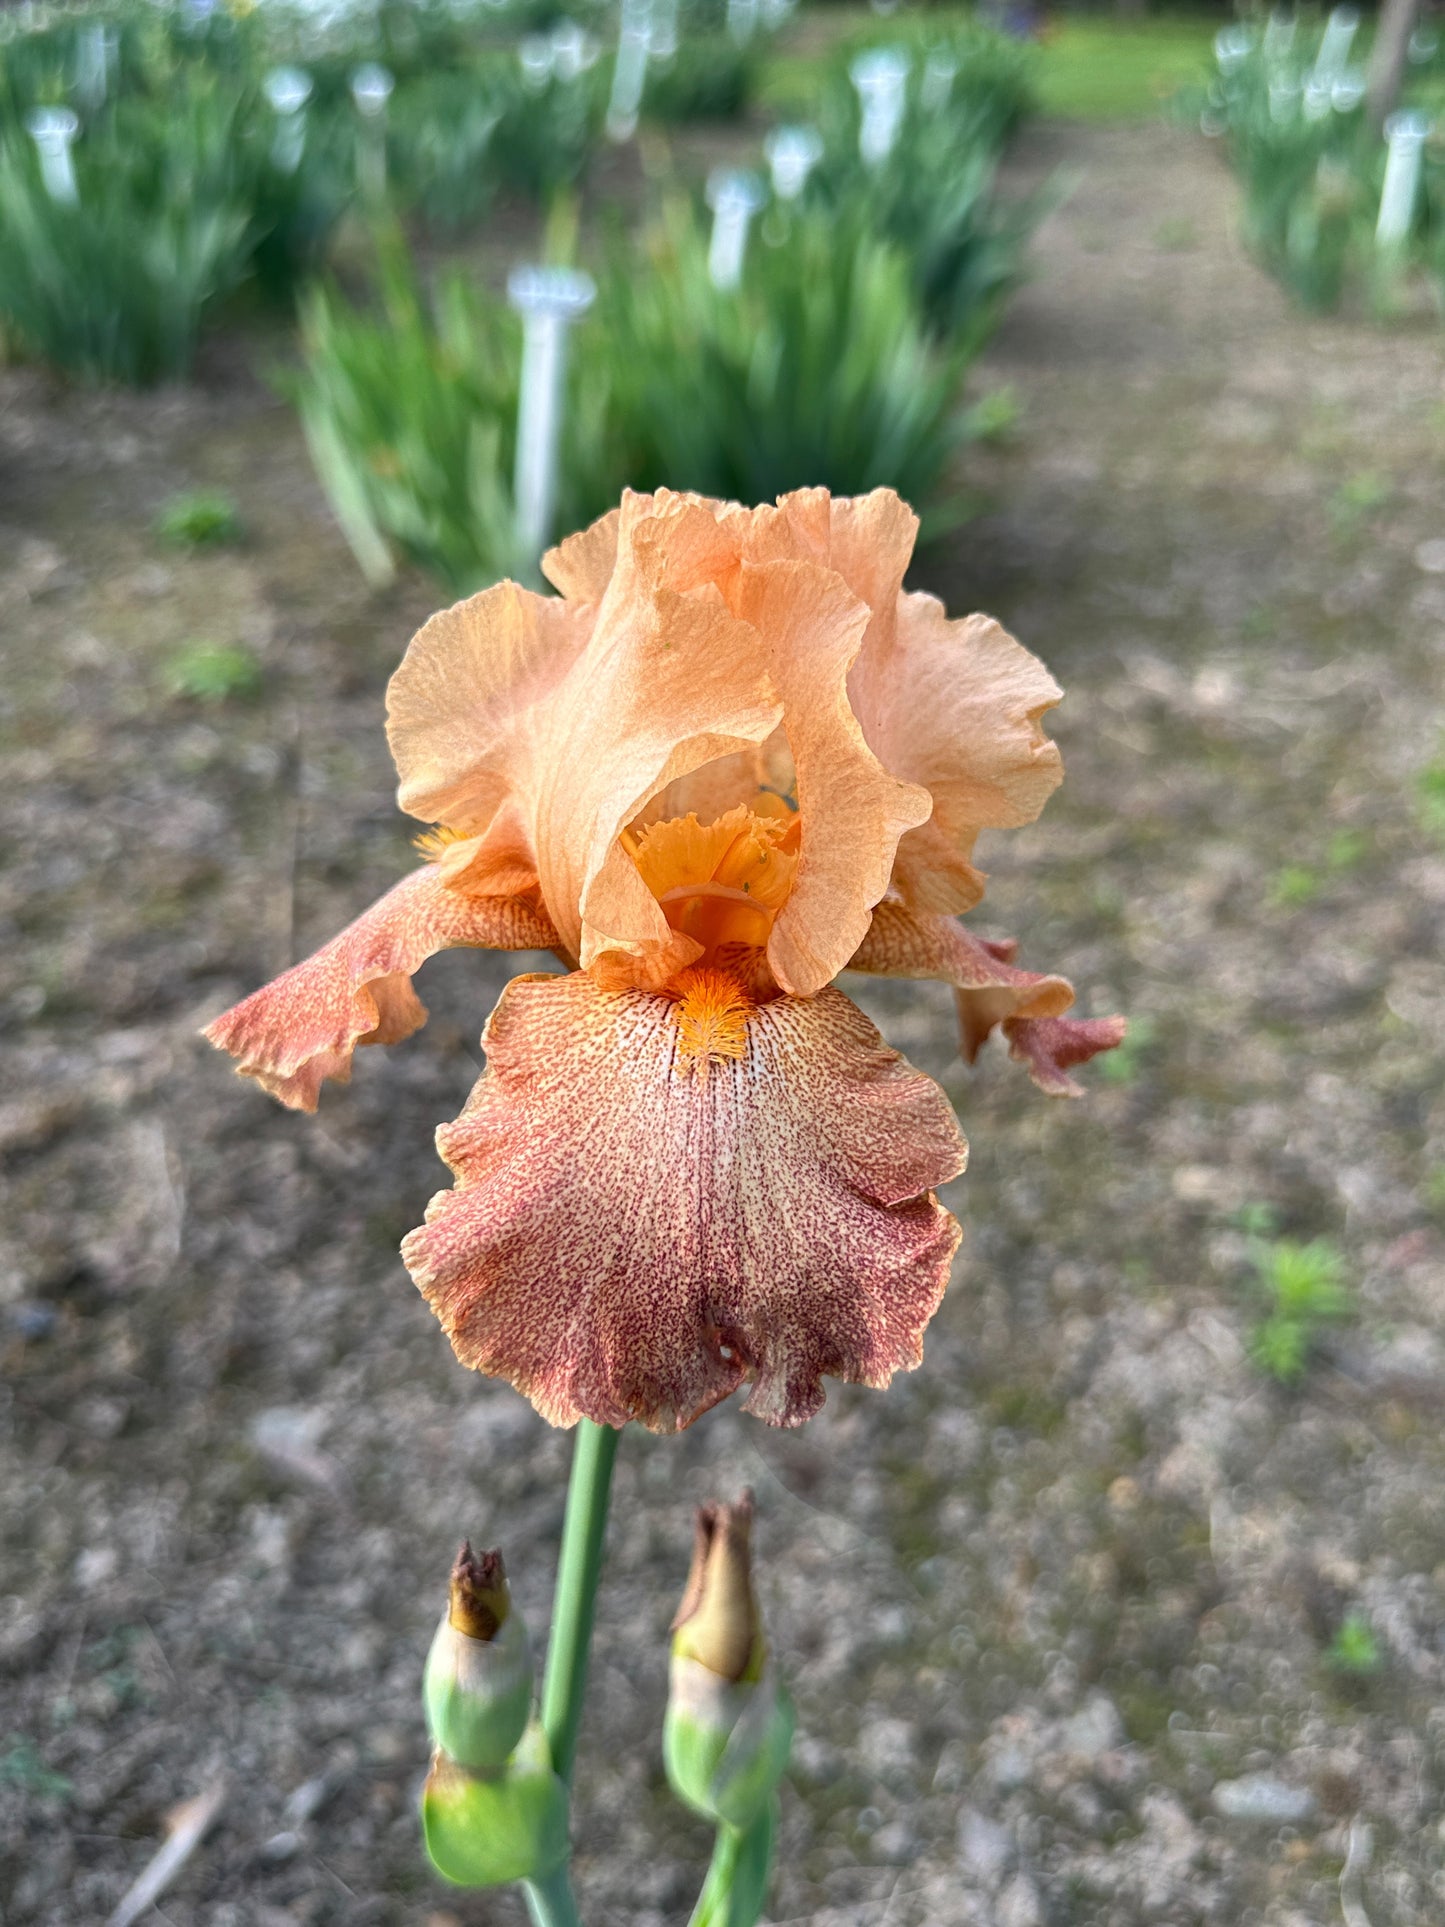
(1430, 797)
(1295, 885)
(213, 672)
(1355, 1650)
(1123, 1065)
(198, 517)
(1304, 1286)
(1356, 499)
(23, 1767)
(994, 417)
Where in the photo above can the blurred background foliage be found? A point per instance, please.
(374, 171)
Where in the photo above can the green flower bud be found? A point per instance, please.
(488, 1830)
(729, 1723)
(478, 1680)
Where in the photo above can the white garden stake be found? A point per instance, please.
(629, 76)
(1232, 47)
(940, 70)
(287, 91)
(371, 87)
(1405, 135)
(881, 78)
(549, 300)
(94, 56)
(1279, 32)
(792, 154)
(734, 198)
(537, 56)
(573, 50)
(1340, 30)
(742, 16)
(53, 129)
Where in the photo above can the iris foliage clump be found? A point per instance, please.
(1312, 168)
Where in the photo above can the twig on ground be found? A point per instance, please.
(189, 1824)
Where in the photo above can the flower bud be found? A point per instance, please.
(478, 1681)
(729, 1724)
(487, 1830)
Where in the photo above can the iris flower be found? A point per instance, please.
(729, 760)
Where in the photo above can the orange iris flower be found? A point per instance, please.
(730, 759)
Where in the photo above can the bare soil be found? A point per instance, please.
(1044, 1598)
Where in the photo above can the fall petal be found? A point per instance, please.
(303, 1027)
(957, 707)
(633, 1235)
(989, 990)
(1052, 1046)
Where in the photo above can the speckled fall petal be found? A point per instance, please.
(633, 1235)
(303, 1028)
(990, 991)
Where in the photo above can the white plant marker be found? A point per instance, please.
(1348, 91)
(1232, 47)
(792, 153)
(53, 129)
(734, 198)
(94, 56)
(1405, 135)
(549, 300)
(742, 17)
(1340, 30)
(371, 87)
(573, 50)
(1279, 31)
(1284, 98)
(662, 39)
(881, 78)
(935, 90)
(537, 57)
(775, 12)
(287, 91)
(1318, 97)
(629, 76)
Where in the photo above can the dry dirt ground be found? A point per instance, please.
(1048, 1599)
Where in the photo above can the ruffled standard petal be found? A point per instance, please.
(303, 1027)
(460, 708)
(990, 991)
(957, 707)
(634, 1233)
(852, 810)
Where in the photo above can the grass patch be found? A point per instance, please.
(213, 672)
(1305, 1289)
(1104, 70)
(199, 518)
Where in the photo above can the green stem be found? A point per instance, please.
(575, 1601)
(550, 1902)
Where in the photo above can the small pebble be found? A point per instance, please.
(1261, 1798)
(1430, 556)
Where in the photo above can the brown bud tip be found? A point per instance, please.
(718, 1623)
(479, 1602)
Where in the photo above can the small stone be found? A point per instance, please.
(1096, 1728)
(985, 1847)
(1264, 1800)
(1011, 1767)
(1019, 1904)
(1430, 556)
(896, 1844)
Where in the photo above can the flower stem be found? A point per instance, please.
(575, 1602)
(550, 1902)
